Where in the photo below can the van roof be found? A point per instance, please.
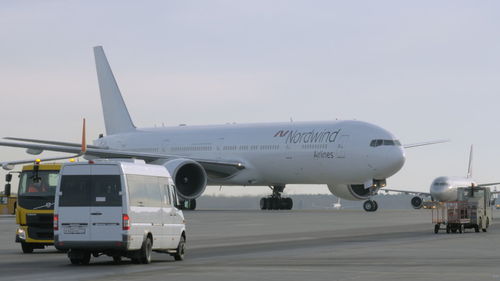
(127, 167)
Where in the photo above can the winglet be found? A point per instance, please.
(469, 169)
(84, 139)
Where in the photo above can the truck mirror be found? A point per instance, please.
(8, 177)
(7, 189)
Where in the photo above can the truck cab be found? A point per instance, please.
(35, 205)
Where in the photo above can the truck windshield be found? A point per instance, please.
(41, 185)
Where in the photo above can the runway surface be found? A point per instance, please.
(286, 245)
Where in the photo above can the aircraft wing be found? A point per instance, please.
(9, 165)
(416, 193)
(103, 152)
(424, 143)
(488, 184)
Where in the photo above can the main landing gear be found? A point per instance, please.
(188, 204)
(370, 205)
(275, 201)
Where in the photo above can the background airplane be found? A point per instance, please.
(353, 158)
(444, 188)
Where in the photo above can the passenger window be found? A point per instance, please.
(138, 194)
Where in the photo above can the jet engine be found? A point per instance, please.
(417, 202)
(350, 191)
(189, 177)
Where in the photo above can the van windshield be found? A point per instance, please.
(90, 190)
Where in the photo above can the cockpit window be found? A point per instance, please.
(439, 183)
(379, 142)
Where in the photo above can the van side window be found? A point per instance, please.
(144, 191)
(138, 195)
(174, 195)
(165, 191)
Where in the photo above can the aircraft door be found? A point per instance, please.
(341, 144)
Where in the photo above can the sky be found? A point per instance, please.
(423, 70)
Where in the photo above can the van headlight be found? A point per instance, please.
(21, 234)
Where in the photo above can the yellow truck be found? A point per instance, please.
(35, 205)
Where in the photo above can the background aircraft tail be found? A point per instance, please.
(116, 116)
(469, 170)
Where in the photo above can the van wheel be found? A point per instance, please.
(27, 248)
(86, 258)
(117, 259)
(145, 252)
(181, 248)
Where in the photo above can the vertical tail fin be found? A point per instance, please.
(116, 116)
(469, 170)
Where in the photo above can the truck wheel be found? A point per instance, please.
(117, 259)
(146, 250)
(75, 261)
(447, 228)
(436, 228)
(461, 228)
(27, 248)
(181, 248)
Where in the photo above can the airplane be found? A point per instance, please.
(353, 158)
(445, 188)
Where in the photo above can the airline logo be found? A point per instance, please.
(303, 137)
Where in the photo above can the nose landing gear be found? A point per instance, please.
(370, 205)
(275, 201)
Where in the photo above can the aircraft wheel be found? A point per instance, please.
(369, 206)
(192, 204)
(267, 203)
(275, 203)
(288, 203)
(263, 203)
(376, 205)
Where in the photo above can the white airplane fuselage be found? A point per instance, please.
(336, 152)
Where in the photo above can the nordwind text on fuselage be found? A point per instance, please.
(304, 137)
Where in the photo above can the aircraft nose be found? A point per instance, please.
(391, 162)
(398, 159)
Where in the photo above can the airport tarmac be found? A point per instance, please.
(286, 245)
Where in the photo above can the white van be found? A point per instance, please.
(117, 208)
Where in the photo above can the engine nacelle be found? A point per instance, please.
(350, 191)
(417, 202)
(189, 177)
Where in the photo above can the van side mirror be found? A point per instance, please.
(8, 177)
(7, 189)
